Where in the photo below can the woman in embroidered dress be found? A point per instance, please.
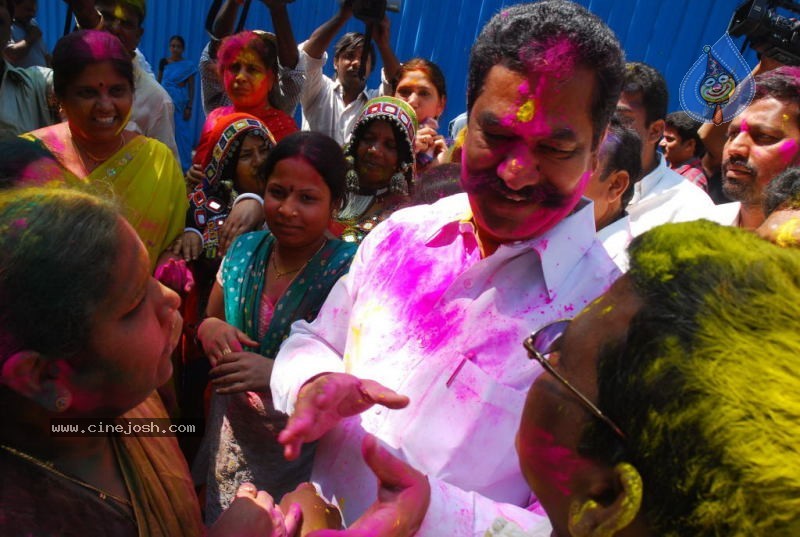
(231, 157)
(86, 333)
(177, 75)
(93, 81)
(268, 280)
(232, 160)
(380, 158)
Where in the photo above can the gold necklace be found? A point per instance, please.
(83, 151)
(50, 468)
(279, 274)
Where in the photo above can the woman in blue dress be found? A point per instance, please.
(177, 75)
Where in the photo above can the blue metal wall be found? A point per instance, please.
(666, 34)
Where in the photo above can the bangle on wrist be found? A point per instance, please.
(196, 232)
(246, 196)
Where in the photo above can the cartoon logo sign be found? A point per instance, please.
(718, 86)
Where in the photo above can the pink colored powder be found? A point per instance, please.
(788, 151)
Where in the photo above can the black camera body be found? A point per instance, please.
(372, 11)
(773, 35)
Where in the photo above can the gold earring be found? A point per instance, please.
(63, 401)
(582, 520)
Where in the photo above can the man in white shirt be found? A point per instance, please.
(662, 195)
(331, 106)
(439, 297)
(762, 141)
(611, 188)
(152, 113)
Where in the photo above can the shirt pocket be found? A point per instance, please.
(462, 431)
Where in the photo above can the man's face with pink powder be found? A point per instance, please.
(528, 152)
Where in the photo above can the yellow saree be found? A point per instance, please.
(144, 177)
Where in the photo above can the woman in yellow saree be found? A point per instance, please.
(93, 81)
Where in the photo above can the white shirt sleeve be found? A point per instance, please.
(312, 67)
(453, 511)
(312, 348)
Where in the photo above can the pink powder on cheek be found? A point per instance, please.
(554, 463)
(788, 150)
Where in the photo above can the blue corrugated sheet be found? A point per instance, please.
(666, 34)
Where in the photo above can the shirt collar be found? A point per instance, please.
(559, 249)
(337, 87)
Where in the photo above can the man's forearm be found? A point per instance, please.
(321, 38)
(225, 21)
(287, 45)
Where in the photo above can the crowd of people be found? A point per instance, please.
(575, 316)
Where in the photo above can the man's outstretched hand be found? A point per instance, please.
(404, 495)
(325, 401)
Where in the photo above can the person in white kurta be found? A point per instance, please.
(440, 297)
(423, 314)
(664, 196)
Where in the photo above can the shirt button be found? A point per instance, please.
(467, 284)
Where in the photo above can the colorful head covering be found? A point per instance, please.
(403, 120)
(218, 154)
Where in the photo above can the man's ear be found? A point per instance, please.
(691, 145)
(618, 182)
(655, 131)
(38, 378)
(609, 505)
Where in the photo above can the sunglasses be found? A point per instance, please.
(544, 342)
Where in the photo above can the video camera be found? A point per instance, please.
(773, 35)
(372, 11)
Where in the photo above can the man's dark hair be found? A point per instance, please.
(783, 191)
(520, 35)
(782, 84)
(621, 149)
(645, 80)
(351, 41)
(686, 127)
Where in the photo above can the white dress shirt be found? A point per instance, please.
(422, 313)
(664, 196)
(616, 237)
(322, 100)
(152, 113)
(726, 214)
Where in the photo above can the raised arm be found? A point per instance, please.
(86, 15)
(322, 37)
(287, 44)
(382, 36)
(225, 20)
